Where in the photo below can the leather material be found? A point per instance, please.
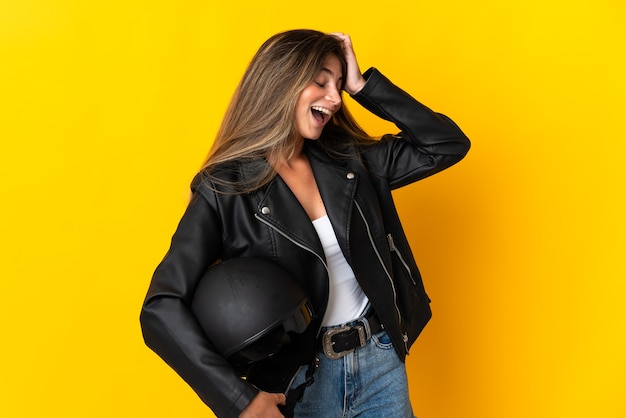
(269, 223)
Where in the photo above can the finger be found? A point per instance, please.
(341, 36)
(281, 399)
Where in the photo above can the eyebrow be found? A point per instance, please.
(327, 70)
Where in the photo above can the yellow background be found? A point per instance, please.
(107, 109)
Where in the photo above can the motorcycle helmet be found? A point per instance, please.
(247, 307)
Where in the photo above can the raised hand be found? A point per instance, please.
(354, 79)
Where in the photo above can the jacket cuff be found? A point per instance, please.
(386, 100)
(242, 402)
(372, 77)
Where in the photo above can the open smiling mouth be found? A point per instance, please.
(321, 114)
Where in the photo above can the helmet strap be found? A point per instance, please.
(296, 394)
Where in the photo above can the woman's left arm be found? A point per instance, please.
(428, 142)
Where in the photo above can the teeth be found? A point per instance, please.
(322, 110)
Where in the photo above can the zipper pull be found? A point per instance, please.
(392, 246)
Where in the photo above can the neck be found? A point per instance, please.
(296, 155)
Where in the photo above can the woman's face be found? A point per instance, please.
(319, 100)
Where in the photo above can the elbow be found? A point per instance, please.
(454, 154)
(145, 323)
(148, 321)
(459, 148)
(465, 145)
(462, 142)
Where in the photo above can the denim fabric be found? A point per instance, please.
(371, 382)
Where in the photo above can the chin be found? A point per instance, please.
(312, 136)
(315, 135)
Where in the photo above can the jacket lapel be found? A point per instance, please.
(279, 208)
(337, 184)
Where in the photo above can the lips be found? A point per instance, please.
(321, 114)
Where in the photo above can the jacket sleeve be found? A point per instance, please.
(428, 142)
(170, 328)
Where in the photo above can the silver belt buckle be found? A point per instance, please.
(327, 341)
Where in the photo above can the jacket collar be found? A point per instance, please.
(337, 184)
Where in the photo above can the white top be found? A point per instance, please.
(346, 300)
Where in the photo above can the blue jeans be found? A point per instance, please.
(370, 382)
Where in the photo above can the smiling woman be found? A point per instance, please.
(107, 108)
(294, 180)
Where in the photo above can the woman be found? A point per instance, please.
(293, 179)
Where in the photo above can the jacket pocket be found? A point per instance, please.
(413, 302)
(399, 258)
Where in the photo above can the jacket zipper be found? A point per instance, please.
(393, 248)
(405, 337)
(304, 247)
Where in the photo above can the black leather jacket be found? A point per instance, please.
(270, 223)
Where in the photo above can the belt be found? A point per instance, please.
(337, 342)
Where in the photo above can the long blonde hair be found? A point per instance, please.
(260, 120)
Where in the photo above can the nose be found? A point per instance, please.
(334, 96)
